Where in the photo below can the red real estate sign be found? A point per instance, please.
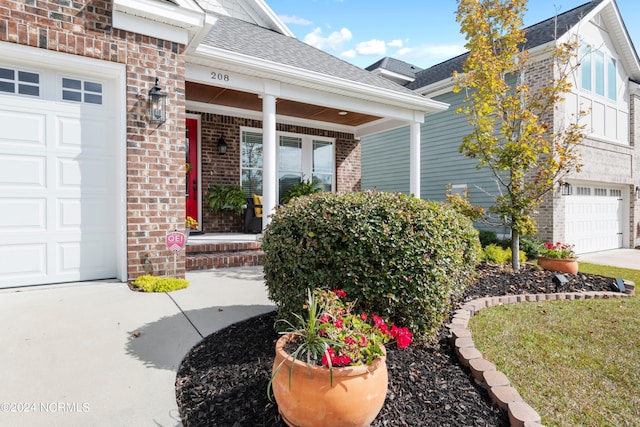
(175, 241)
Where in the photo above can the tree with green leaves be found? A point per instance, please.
(514, 134)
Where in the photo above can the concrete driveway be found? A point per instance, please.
(625, 258)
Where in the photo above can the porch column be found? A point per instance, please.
(414, 159)
(269, 154)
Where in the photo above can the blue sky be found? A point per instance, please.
(421, 32)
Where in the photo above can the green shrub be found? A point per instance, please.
(495, 254)
(488, 237)
(397, 256)
(531, 246)
(149, 283)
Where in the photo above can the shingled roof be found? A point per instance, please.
(537, 35)
(242, 37)
(395, 66)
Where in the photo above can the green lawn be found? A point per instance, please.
(576, 362)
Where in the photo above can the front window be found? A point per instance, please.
(251, 163)
(300, 158)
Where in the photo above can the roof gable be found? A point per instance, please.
(252, 11)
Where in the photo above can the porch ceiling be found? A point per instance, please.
(233, 98)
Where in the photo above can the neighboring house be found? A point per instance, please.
(90, 188)
(602, 210)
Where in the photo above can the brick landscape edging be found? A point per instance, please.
(484, 372)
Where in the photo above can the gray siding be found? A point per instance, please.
(385, 161)
(385, 158)
(442, 163)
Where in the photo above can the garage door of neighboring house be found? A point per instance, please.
(57, 176)
(594, 218)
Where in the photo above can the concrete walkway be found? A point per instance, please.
(99, 354)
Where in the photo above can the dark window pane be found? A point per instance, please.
(6, 73)
(92, 99)
(7, 87)
(72, 84)
(71, 96)
(26, 77)
(29, 90)
(93, 87)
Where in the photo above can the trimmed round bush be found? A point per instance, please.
(399, 257)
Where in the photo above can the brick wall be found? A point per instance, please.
(225, 168)
(155, 154)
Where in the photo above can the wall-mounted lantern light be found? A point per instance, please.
(567, 190)
(222, 145)
(157, 105)
(637, 192)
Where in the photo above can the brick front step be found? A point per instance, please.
(223, 255)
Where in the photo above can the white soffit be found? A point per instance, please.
(159, 19)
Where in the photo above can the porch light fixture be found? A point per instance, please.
(157, 105)
(567, 190)
(222, 145)
(637, 192)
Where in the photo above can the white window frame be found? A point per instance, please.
(307, 153)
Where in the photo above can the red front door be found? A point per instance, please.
(192, 195)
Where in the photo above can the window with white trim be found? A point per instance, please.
(598, 72)
(19, 82)
(300, 158)
(84, 91)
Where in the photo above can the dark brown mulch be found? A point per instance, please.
(223, 380)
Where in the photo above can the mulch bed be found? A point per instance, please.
(223, 380)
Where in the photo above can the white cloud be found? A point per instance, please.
(294, 20)
(395, 43)
(333, 42)
(371, 47)
(349, 53)
(404, 51)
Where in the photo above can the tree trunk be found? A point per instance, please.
(515, 250)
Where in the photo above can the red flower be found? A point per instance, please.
(349, 340)
(338, 323)
(336, 360)
(325, 318)
(377, 320)
(363, 316)
(339, 293)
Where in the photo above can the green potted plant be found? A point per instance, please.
(226, 197)
(303, 188)
(558, 257)
(330, 368)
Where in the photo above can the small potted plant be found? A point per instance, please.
(330, 368)
(227, 197)
(558, 257)
(190, 223)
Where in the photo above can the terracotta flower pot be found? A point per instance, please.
(569, 266)
(355, 399)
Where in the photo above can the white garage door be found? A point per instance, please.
(594, 219)
(57, 167)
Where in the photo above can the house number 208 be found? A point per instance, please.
(219, 76)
